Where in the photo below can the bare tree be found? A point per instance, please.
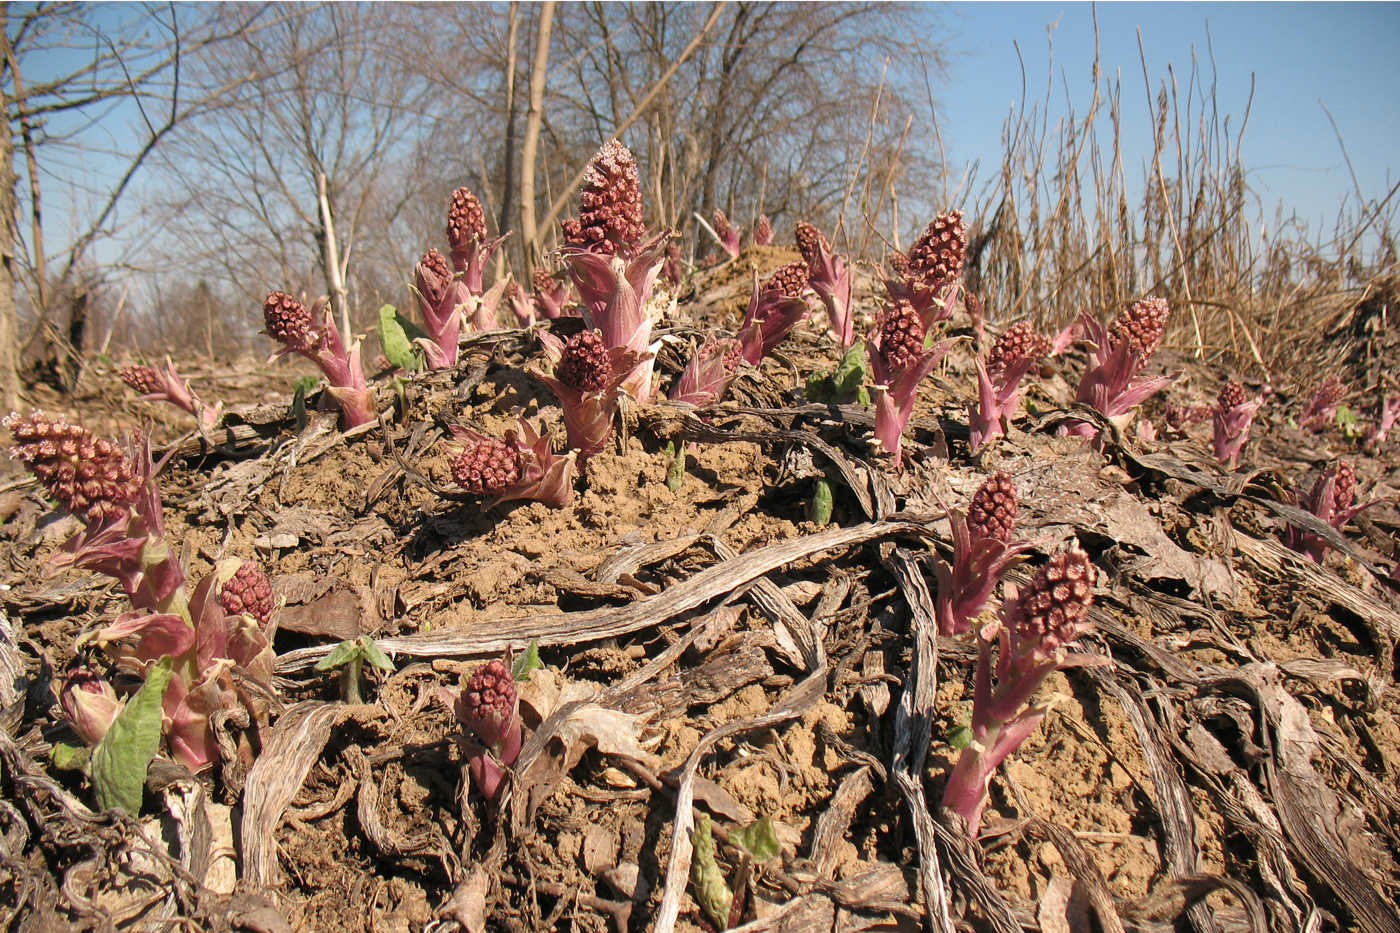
(282, 181)
(119, 65)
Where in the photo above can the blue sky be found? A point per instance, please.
(1302, 55)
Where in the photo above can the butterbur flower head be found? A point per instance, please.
(790, 280)
(1232, 395)
(487, 708)
(1231, 419)
(811, 244)
(1141, 324)
(466, 221)
(1343, 484)
(433, 276)
(721, 223)
(1322, 409)
(486, 467)
(248, 592)
(143, 379)
(488, 697)
(763, 231)
(1054, 609)
(89, 476)
(938, 255)
(543, 281)
(585, 364)
(610, 204)
(289, 322)
(901, 337)
(992, 513)
(1017, 344)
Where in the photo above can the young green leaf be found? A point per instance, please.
(396, 335)
(339, 655)
(711, 891)
(371, 653)
(70, 757)
(121, 759)
(522, 666)
(819, 506)
(1349, 422)
(759, 838)
(675, 470)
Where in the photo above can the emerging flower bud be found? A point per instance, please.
(999, 376)
(992, 513)
(1231, 395)
(466, 221)
(1230, 421)
(434, 278)
(89, 476)
(289, 322)
(728, 233)
(1322, 409)
(763, 231)
(248, 592)
(585, 364)
(488, 709)
(89, 704)
(610, 204)
(829, 276)
(521, 465)
(487, 467)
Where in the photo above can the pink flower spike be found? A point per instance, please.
(830, 278)
(587, 377)
(164, 384)
(982, 550)
(489, 710)
(763, 231)
(1322, 409)
(930, 275)
(312, 333)
(775, 308)
(520, 466)
(466, 235)
(728, 234)
(1029, 643)
(1013, 355)
(1230, 421)
(898, 363)
(1111, 383)
(1333, 500)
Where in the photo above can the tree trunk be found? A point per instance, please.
(508, 183)
(9, 324)
(529, 234)
(330, 257)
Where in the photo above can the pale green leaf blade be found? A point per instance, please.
(120, 760)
